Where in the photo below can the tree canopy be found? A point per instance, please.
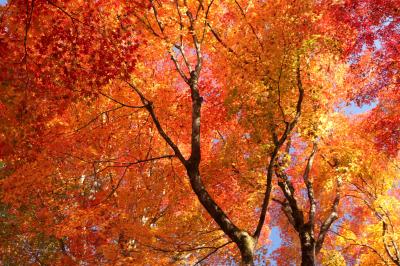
(180, 132)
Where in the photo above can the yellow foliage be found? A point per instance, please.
(332, 258)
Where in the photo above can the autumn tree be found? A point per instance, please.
(367, 234)
(115, 111)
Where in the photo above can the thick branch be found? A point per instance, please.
(286, 210)
(288, 191)
(192, 164)
(195, 155)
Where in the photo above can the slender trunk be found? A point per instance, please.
(243, 240)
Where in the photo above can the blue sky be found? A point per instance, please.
(275, 242)
(2, 2)
(353, 109)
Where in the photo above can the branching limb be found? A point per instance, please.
(355, 243)
(178, 67)
(192, 164)
(159, 23)
(206, 20)
(150, 109)
(179, 47)
(251, 26)
(291, 207)
(219, 39)
(29, 13)
(127, 165)
(278, 144)
(331, 217)
(310, 189)
(97, 117)
(212, 252)
(195, 42)
(393, 257)
(73, 18)
(121, 103)
(287, 211)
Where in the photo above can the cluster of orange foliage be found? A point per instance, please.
(179, 132)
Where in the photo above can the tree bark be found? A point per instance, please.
(307, 257)
(247, 259)
(242, 239)
(246, 246)
(307, 249)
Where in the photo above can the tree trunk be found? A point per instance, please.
(243, 240)
(247, 259)
(246, 246)
(307, 256)
(307, 251)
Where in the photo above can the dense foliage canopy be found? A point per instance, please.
(181, 132)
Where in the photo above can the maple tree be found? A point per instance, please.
(114, 112)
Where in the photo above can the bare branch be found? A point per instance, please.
(180, 47)
(65, 12)
(126, 169)
(147, 24)
(355, 243)
(222, 137)
(217, 36)
(195, 42)
(97, 117)
(251, 26)
(150, 109)
(291, 207)
(159, 23)
(212, 252)
(121, 103)
(29, 13)
(286, 210)
(205, 20)
(279, 89)
(178, 68)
